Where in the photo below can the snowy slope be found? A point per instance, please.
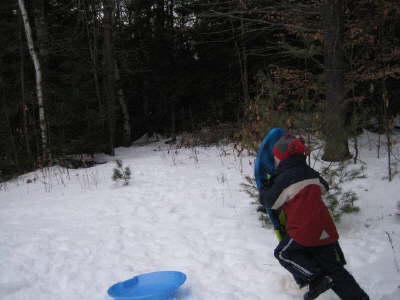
(70, 234)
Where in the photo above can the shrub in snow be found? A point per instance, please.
(121, 174)
(251, 189)
(338, 200)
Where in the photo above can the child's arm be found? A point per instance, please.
(272, 214)
(278, 227)
(269, 198)
(274, 217)
(275, 220)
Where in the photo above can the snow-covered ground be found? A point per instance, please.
(70, 234)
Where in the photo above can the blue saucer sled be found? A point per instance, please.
(150, 286)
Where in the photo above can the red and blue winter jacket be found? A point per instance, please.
(297, 190)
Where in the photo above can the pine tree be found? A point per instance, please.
(121, 174)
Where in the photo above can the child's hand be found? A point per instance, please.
(278, 234)
(269, 181)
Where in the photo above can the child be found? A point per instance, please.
(309, 250)
(264, 170)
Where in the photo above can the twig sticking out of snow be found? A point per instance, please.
(396, 263)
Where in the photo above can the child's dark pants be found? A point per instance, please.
(307, 263)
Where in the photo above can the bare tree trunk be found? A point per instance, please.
(386, 120)
(22, 78)
(336, 144)
(389, 154)
(146, 106)
(241, 50)
(378, 147)
(126, 120)
(245, 76)
(173, 116)
(127, 135)
(355, 123)
(41, 31)
(93, 51)
(39, 87)
(109, 71)
(11, 136)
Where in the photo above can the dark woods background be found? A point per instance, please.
(114, 70)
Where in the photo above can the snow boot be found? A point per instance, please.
(301, 283)
(318, 286)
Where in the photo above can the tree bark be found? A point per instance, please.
(109, 72)
(127, 134)
(24, 106)
(336, 144)
(241, 50)
(386, 120)
(92, 43)
(245, 75)
(39, 76)
(11, 135)
(41, 31)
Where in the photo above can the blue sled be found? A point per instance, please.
(150, 286)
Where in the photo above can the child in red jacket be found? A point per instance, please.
(310, 250)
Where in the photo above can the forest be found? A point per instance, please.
(87, 76)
